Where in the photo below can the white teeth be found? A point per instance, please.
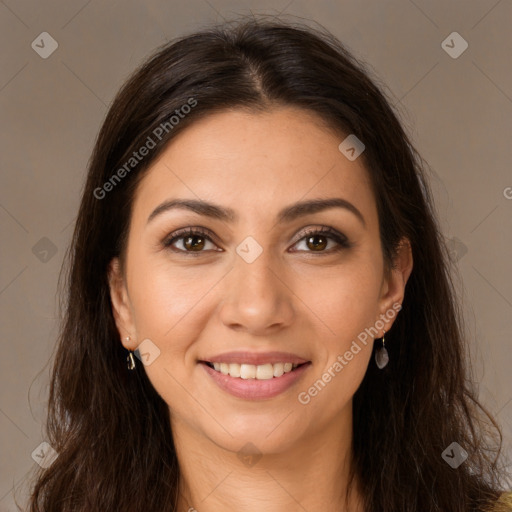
(247, 371)
(251, 371)
(234, 370)
(278, 369)
(264, 371)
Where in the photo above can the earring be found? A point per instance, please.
(129, 358)
(381, 355)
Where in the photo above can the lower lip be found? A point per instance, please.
(255, 389)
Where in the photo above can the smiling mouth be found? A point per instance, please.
(250, 371)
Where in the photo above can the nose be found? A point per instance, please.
(257, 298)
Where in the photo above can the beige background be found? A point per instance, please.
(457, 110)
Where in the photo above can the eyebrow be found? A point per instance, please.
(225, 214)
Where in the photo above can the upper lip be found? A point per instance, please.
(256, 358)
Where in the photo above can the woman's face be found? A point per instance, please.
(256, 281)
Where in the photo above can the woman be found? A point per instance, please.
(258, 231)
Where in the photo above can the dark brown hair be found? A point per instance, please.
(111, 428)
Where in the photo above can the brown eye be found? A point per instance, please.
(194, 241)
(191, 240)
(314, 243)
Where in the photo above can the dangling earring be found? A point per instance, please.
(129, 358)
(381, 355)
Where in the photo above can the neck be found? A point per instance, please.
(311, 474)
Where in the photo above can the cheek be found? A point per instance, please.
(163, 297)
(346, 304)
(169, 309)
(345, 299)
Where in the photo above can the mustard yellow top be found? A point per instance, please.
(504, 503)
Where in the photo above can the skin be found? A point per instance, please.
(311, 302)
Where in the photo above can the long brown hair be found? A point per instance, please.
(110, 427)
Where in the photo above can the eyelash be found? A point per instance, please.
(340, 239)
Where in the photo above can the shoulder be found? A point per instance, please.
(504, 503)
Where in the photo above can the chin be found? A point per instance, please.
(262, 434)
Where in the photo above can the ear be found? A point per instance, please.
(395, 279)
(121, 306)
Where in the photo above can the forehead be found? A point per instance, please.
(255, 161)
